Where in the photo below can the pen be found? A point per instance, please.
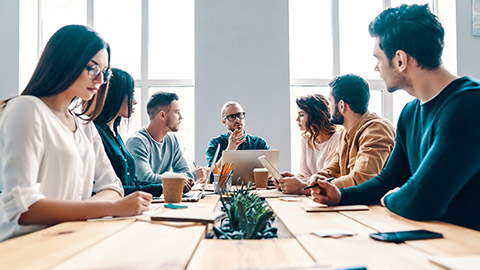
(194, 164)
(316, 185)
(136, 184)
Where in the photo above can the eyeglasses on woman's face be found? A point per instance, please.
(233, 116)
(94, 71)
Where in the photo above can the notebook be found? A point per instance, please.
(244, 161)
(189, 215)
(325, 208)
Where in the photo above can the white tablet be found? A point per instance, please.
(271, 169)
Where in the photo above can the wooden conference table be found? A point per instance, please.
(138, 243)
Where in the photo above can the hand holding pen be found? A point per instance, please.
(324, 192)
(316, 184)
(200, 172)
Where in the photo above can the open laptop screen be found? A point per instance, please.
(244, 161)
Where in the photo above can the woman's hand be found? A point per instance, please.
(133, 204)
(292, 184)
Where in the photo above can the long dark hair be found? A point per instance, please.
(318, 121)
(63, 60)
(121, 86)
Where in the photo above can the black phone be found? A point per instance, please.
(401, 236)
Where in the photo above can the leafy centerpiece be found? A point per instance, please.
(247, 217)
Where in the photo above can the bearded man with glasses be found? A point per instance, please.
(233, 117)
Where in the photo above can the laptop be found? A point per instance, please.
(191, 196)
(244, 161)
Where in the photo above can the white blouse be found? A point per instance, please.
(41, 158)
(313, 160)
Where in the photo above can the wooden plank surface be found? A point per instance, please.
(238, 254)
(358, 250)
(457, 240)
(143, 245)
(47, 247)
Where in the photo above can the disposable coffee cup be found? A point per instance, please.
(173, 187)
(261, 178)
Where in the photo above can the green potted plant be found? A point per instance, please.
(247, 217)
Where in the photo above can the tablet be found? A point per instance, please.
(269, 166)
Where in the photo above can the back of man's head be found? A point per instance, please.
(412, 29)
(158, 101)
(353, 90)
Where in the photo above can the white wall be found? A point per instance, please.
(468, 46)
(9, 48)
(241, 54)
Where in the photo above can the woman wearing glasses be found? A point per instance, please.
(120, 103)
(52, 158)
(319, 141)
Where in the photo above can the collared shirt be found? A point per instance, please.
(362, 151)
(42, 158)
(251, 143)
(123, 162)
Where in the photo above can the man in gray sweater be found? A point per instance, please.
(155, 148)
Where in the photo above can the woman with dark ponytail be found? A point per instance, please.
(119, 104)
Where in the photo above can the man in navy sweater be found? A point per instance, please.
(434, 170)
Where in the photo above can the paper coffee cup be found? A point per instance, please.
(173, 187)
(261, 177)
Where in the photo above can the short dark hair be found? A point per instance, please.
(412, 29)
(158, 101)
(63, 60)
(318, 120)
(353, 90)
(121, 86)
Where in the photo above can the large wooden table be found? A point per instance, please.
(137, 243)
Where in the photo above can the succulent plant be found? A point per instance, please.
(248, 217)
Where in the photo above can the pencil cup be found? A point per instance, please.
(222, 183)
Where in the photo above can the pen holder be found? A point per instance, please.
(222, 183)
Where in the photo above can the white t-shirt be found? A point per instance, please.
(313, 160)
(41, 158)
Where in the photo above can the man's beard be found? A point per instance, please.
(400, 82)
(172, 127)
(337, 117)
(235, 127)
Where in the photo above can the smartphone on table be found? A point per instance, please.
(402, 236)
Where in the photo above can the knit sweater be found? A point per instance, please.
(435, 161)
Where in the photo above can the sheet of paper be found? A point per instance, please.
(326, 208)
(333, 233)
(457, 262)
(273, 193)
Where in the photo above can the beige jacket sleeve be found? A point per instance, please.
(374, 146)
(333, 168)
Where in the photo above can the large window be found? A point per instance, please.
(153, 40)
(329, 38)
